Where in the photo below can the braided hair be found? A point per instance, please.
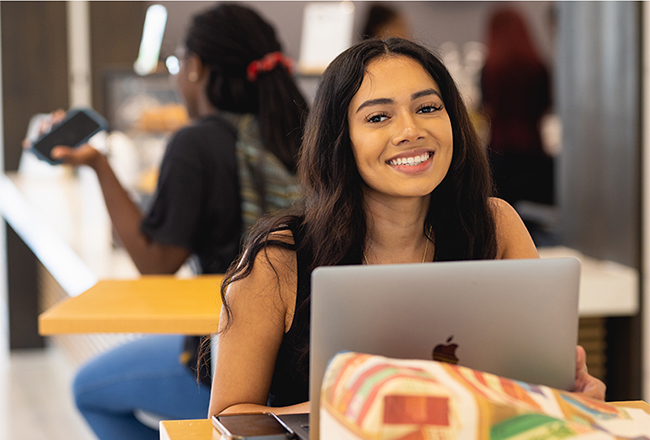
(227, 38)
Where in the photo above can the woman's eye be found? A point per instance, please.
(376, 118)
(429, 108)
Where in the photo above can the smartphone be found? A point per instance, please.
(78, 126)
(265, 426)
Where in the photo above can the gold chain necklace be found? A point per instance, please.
(424, 257)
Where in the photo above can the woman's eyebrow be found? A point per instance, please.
(426, 92)
(384, 101)
(378, 101)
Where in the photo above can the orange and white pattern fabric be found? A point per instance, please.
(373, 397)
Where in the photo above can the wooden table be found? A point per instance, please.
(202, 429)
(188, 430)
(149, 304)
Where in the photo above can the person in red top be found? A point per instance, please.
(516, 93)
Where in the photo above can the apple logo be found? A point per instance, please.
(446, 352)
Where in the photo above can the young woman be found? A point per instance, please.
(516, 94)
(236, 160)
(393, 173)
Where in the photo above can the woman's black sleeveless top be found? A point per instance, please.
(290, 383)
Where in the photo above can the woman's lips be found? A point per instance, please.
(411, 160)
(414, 164)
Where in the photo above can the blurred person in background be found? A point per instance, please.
(383, 21)
(235, 162)
(516, 94)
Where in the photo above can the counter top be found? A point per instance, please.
(607, 288)
(149, 304)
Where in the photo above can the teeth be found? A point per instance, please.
(410, 161)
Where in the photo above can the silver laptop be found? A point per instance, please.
(513, 318)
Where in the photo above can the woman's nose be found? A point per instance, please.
(407, 130)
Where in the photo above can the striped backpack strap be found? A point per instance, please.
(266, 186)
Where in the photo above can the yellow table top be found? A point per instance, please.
(188, 430)
(149, 304)
(202, 429)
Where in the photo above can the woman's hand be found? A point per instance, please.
(81, 155)
(45, 125)
(586, 384)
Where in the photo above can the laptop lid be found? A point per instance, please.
(513, 318)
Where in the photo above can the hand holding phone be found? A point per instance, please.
(265, 426)
(77, 127)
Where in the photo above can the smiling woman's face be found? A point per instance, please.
(400, 130)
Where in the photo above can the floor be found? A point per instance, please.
(35, 398)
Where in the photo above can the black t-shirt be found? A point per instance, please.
(197, 204)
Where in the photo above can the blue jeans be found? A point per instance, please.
(145, 374)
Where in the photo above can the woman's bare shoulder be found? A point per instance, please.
(284, 235)
(275, 257)
(272, 280)
(513, 239)
(280, 253)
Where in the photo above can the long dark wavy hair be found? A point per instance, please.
(227, 38)
(460, 219)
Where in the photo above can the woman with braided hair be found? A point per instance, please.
(235, 162)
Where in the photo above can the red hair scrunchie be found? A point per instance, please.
(268, 63)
